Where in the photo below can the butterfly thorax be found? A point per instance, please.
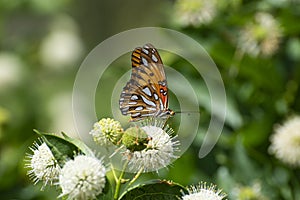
(164, 113)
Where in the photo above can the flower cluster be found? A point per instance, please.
(195, 12)
(249, 192)
(261, 36)
(203, 192)
(43, 166)
(158, 152)
(80, 178)
(107, 132)
(285, 142)
(145, 147)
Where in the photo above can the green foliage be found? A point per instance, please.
(107, 193)
(156, 189)
(79, 144)
(61, 149)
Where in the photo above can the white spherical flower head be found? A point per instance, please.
(261, 36)
(195, 12)
(82, 178)
(204, 192)
(10, 69)
(285, 142)
(253, 191)
(55, 49)
(107, 132)
(159, 153)
(44, 167)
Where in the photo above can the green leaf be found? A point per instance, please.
(107, 193)
(79, 144)
(155, 190)
(60, 148)
(250, 170)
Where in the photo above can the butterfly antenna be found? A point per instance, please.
(187, 112)
(116, 151)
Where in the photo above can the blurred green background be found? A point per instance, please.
(255, 44)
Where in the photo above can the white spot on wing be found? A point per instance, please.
(154, 58)
(155, 96)
(145, 51)
(145, 62)
(162, 83)
(139, 108)
(134, 97)
(150, 108)
(161, 105)
(135, 114)
(125, 109)
(132, 103)
(146, 101)
(146, 114)
(147, 91)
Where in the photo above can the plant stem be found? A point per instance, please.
(136, 176)
(119, 181)
(236, 61)
(114, 173)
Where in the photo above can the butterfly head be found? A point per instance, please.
(170, 112)
(165, 113)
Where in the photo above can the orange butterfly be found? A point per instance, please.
(146, 93)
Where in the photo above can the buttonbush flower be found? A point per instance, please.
(107, 132)
(285, 142)
(249, 192)
(10, 69)
(261, 36)
(203, 192)
(158, 150)
(82, 178)
(55, 48)
(43, 166)
(195, 12)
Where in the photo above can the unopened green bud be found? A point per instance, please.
(135, 139)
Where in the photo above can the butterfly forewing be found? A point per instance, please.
(146, 93)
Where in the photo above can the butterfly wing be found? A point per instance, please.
(146, 93)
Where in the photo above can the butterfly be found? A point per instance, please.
(146, 93)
